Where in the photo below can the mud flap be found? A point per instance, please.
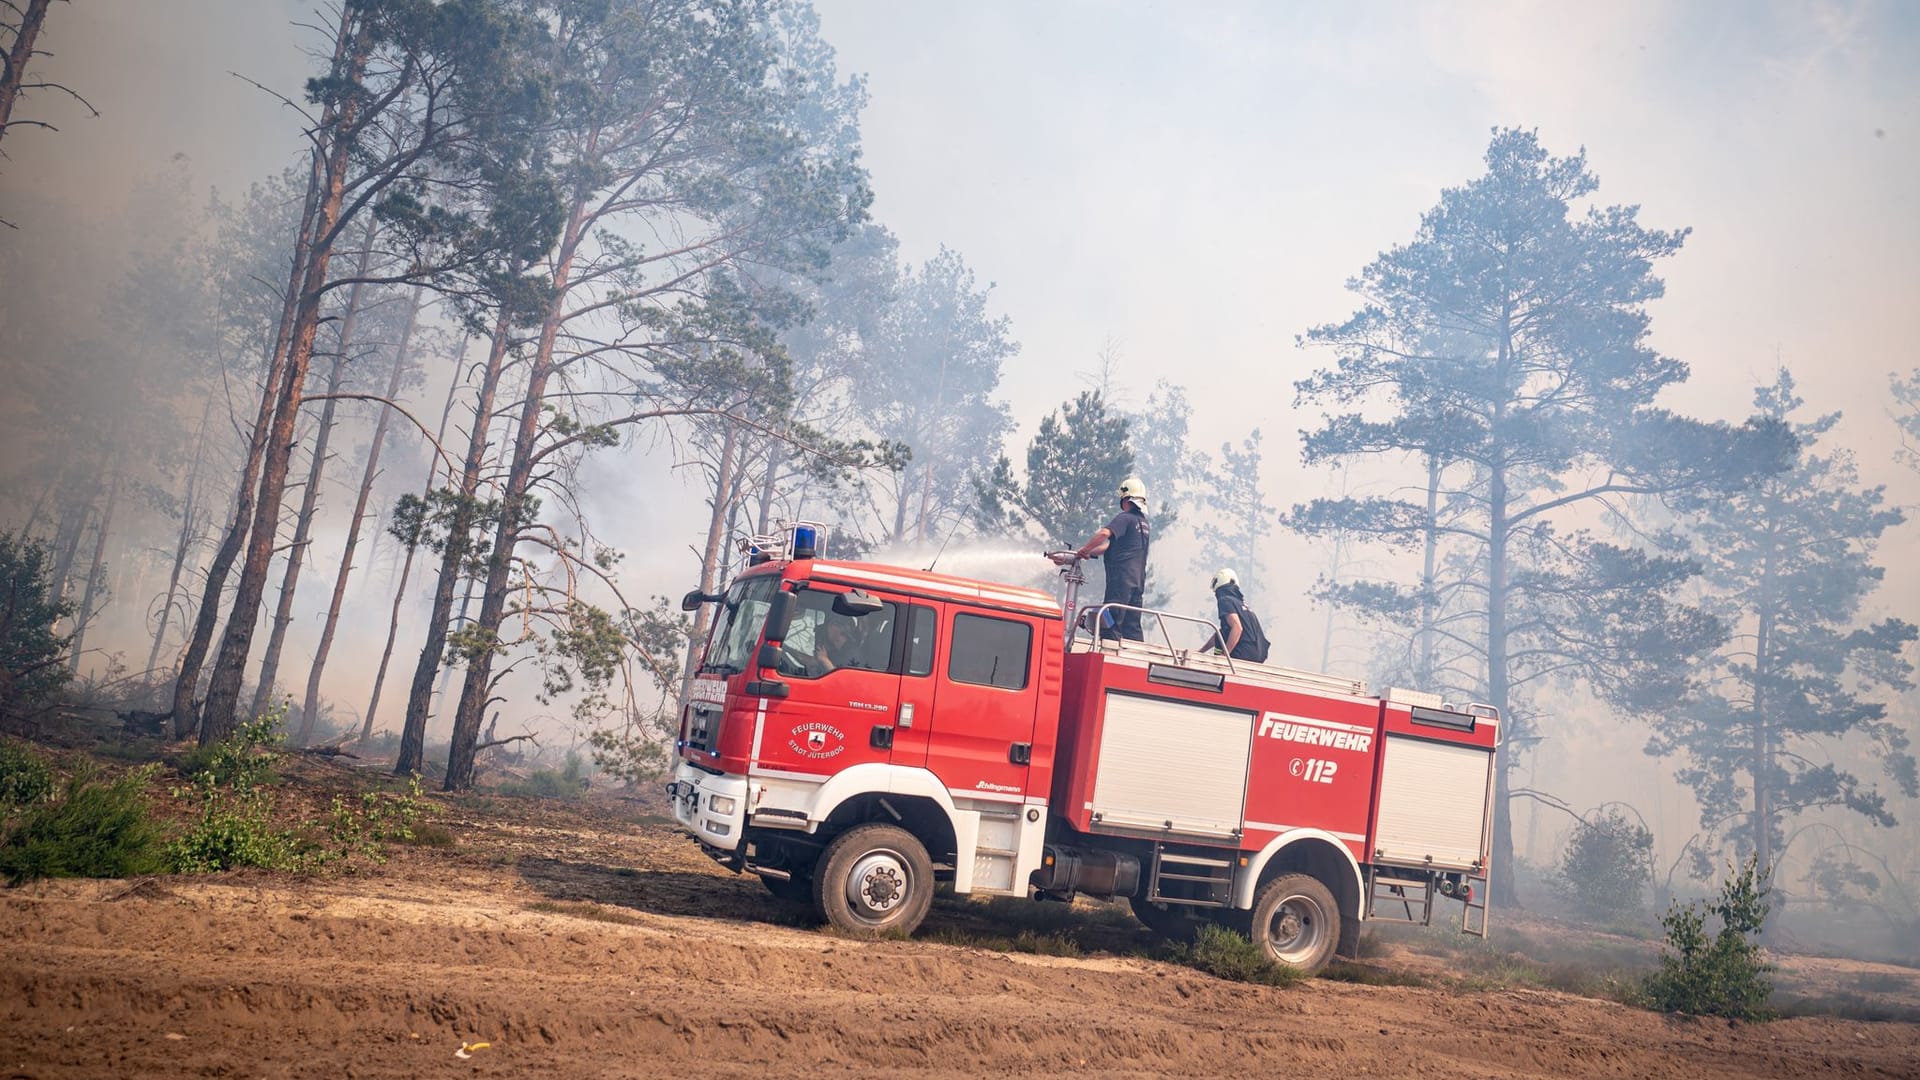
(1349, 946)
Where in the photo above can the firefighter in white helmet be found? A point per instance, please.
(1245, 640)
(1124, 542)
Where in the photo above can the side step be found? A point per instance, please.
(1481, 897)
(1189, 877)
(1409, 891)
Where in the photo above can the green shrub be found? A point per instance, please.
(235, 830)
(569, 782)
(25, 777)
(365, 826)
(1722, 975)
(90, 828)
(244, 760)
(229, 787)
(1603, 871)
(1224, 954)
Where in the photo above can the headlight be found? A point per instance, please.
(720, 804)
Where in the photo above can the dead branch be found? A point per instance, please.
(328, 752)
(491, 743)
(396, 407)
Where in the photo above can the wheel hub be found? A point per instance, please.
(1294, 932)
(878, 883)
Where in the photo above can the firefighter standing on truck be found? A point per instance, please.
(1245, 640)
(1124, 541)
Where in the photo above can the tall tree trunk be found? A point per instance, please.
(223, 693)
(710, 556)
(413, 733)
(493, 598)
(1763, 748)
(764, 522)
(194, 655)
(1428, 556)
(75, 511)
(302, 537)
(15, 59)
(310, 495)
(406, 564)
(95, 570)
(310, 704)
(460, 620)
(189, 510)
(1326, 630)
(1498, 687)
(39, 504)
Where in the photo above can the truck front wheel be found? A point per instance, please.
(1296, 922)
(874, 879)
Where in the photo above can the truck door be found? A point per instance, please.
(843, 687)
(980, 738)
(918, 653)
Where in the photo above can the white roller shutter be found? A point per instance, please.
(1172, 766)
(1433, 803)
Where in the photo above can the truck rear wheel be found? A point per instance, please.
(874, 879)
(1296, 922)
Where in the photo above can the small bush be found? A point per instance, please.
(365, 828)
(229, 783)
(244, 760)
(569, 782)
(25, 778)
(91, 828)
(1603, 872)
(1224, 954)
(235, 830)
(1722, 975)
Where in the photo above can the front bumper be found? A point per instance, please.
(711, 807)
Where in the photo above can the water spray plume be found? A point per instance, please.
(991, 560)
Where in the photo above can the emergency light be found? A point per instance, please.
(806, 540)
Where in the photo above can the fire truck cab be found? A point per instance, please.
(857, 733)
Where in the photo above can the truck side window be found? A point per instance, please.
(922, 628)
(819, 640)
(990, 652)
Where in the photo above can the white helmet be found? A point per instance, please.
(1132, 488)
(1222, 576)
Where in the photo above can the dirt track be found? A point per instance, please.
(583, 952)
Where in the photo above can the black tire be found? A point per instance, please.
(1174, 922)
(874, 880)
(1296, 922)
(795, 890)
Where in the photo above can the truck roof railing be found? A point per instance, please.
(1086, 640)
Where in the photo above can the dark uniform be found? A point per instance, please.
(1253, 641)
(1126, 555)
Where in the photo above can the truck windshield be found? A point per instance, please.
(738, 630)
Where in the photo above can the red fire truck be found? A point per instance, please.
(858, 733)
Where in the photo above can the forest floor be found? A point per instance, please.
(589, 939)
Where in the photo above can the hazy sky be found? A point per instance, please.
(1196, 181)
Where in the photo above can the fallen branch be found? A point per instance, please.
(328, 752)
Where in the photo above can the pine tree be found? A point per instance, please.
(1503, 352)
(1790, 564)
(1234, 516)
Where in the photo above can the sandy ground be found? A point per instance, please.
(582, 947)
